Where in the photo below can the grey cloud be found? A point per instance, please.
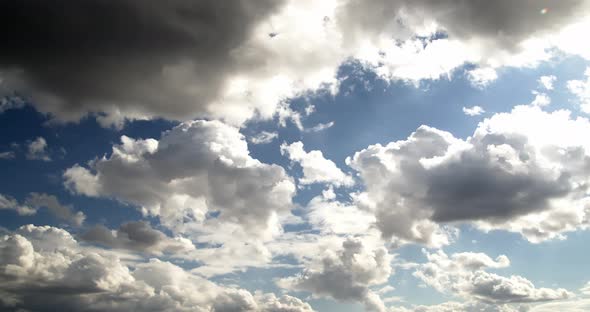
(45, 269)
(131, 58)
(62, 212)
(36, 201)
(346, 275)
(504, 23)
(37, 150)
(196, 168)
(498, 177)
(139, 236)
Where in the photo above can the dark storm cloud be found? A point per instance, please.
(165, 58)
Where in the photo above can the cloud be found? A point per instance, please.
(8, 202)
(547, 82)
(316, 168)
(473, 111)
(7, 155)
(321, 127)
(482, 77)
(62, 212)
(464, 274)
(346, 275)
(452, 306)
(264, 137)
(523, 171)
(44, 269)
(581, 89)
(182, 60)
(37, 150)
(541, 99)
(36, 201)
(197, 178)
(138, 236)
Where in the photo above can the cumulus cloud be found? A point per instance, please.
(44, 269)
(473, 111)
(525, 171)
(547, 82)
(37, 150)
(316, 168)
(581, 89)
(36, 201)
(465, 274)
(195, 169)
(346, 274)
(182, 60)
(139, 236)
(541, 99)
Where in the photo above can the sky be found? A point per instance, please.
(295, 156)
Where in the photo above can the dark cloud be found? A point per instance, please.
(149, 58)
(505, 22)
(136, 235)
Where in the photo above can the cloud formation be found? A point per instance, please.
(36, 201)
(465, 274)
(346, 275)
(195, 171)
(316, 168)
(44, 269)
(525, 171)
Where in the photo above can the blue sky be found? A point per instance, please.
(433, 163)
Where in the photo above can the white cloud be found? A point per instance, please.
(523, 171)
(316, 168)
(482, 77)
(321, 127)
(464, 274)
(264, 137)
(547, 82)
(541, 99)
(37, 150)
(473, 111)
(8, 202)
(581, 89)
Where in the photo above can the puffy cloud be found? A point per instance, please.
(316, 168)
(525, 171)
(346, 274)
(541, 99)
(36, 201)
(547, 82)
(139, 236)
(581, 89)
(44, 268)
(264, 137)
(473, 111)
(37, 149)
(199, 173)
(465, 274)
